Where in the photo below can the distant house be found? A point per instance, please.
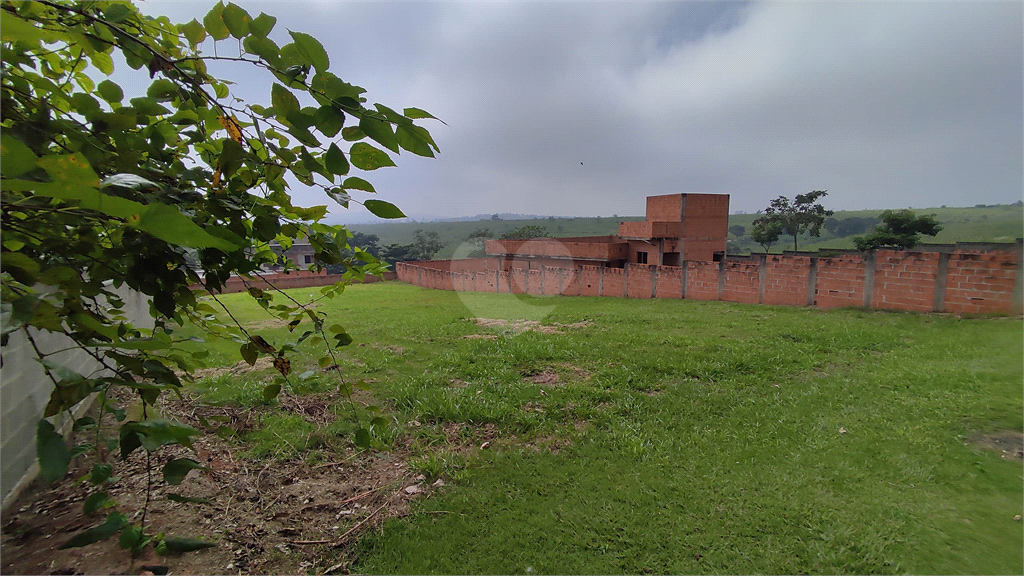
(301, 254)
(678, 227)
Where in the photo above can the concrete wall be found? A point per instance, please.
(25, 390)
(940, 279)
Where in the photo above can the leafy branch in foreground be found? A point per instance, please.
(183, 185)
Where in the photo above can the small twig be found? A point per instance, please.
(305, 542)
(341, 540)
(357, 497)
(434, 512)
(335, 567)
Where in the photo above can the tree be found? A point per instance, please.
(766, 232)
(803, 215)
(899, 229)
(103, 188)
(526, 232)
(737, 230)
(478, 239)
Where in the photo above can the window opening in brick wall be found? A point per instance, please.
(309, 259)
(641, 257)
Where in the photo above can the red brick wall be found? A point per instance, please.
(786, 280)
(702, 280)
(639, 280)
(980, 283)
(614, 282)
(590, 277)
(741, 281)
(665, 208)
(296, 279)
(976, 281)
(905, 280)
(840, 281)
(670, 282)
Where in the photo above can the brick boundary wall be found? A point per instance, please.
(962, 278)
(294, 279)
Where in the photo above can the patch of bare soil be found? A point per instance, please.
(480, 337)
(518, 326)
(544, 378)
(239, 368)
(269, 517)
(266, 324)
(1009, 442)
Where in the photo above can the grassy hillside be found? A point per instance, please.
(1000, 223)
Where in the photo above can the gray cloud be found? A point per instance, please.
(883, 104)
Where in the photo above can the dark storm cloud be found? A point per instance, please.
(883, 104)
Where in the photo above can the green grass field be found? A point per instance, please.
(1002, 223)
(672, 436)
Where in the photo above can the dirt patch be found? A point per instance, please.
(268, 324)
(580, 373)
(267, 517)
(518, 326)
(544, 378)
(480, 337)
(1009, 442)
(239, 368)
(457, 383)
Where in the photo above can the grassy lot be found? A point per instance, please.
(675, 436)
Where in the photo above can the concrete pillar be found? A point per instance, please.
(869, 277)
(654, 280)
(419, 276)
(682, 288)
(542, 279)
(579, 280)
(1018, 281)
(625, 281)
(939, 301)
(721, 279)
(812, 281)
(561, 280)
(762, 277)
(600, 282)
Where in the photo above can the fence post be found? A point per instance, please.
(686, 268)
(600, 282)
(721, 278)
(812, 281)
(869, 277)
(654, 280)
(939, 301)
(762, 277)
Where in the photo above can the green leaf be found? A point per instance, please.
(94, 502)
(180, 545)
(15, 157)
(336, 328)
(167, 223)
(362, 439)
(412, 142)
(236, 19)
(263, 47)
(51, 452)
(383, 209)
(380, 131)
(311, 50)
(335, 160)
(187, 499)
(129, 440)
(115, 521)
(162, 90)
(342, 339)
(230, 158)
(103, 62)
(283, 100)
(15, 29)
(100, 473)
(23, 268)
(131, 537)
(271, 392)
(357, 183)
(194, 32)
(159, 432)
(214, 22)
(117, 13)
(366, 157)
(352, 134)
(249, 353)
(110, 91)
(148, 107)
(417, 113)
(329, 120)
(176, 470)
(262, 25)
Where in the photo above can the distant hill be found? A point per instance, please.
(993, 223)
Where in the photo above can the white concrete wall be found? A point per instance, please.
(25, 390)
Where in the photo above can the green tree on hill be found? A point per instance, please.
(803, 215)
(526, 232)
(899, 229)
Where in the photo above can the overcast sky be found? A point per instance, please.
(583, 109)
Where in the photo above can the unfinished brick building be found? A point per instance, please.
(678, 227)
